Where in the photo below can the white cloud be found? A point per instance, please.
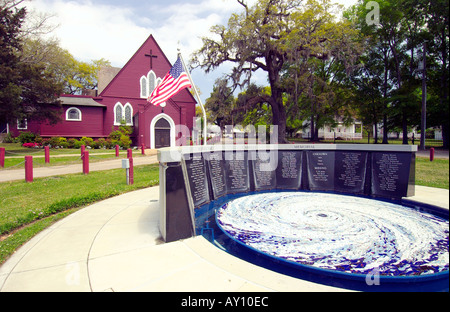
(90, 30)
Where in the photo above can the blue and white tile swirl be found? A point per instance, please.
(344, 233)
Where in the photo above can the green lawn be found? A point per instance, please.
(30, 207)
(433, 174)
(15, 156)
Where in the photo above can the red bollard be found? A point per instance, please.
(143, 149)
(29, 169)
(2, 157)
(86, 162)
(131, 174)
(83, 148)
(129, 153)
(47, 154)
(432, 154)
(117, 150)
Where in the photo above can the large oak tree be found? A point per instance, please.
(270, 35)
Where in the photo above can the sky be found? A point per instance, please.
(115, 29)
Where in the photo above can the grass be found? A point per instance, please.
(432, 174)
(428, 142)
(27, 208)
(15, 156)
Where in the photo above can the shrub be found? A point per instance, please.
(54, 141)
(26, 137)
(125, 141)
(31, 145)
(87, 141)
(101, 143)
(63, 143)
(71, 143)
(9, 138)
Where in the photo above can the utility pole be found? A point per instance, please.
(423, 124)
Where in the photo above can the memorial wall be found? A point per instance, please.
(195, 176)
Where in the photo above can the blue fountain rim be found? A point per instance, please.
(443, 213)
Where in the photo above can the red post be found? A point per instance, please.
(86, 162)
(117, 150)
(83, 148)
(131, 173)
(432, 154)
(2, 157)
(47, 154)
(143, 149)
(29, 168)
(129, 153)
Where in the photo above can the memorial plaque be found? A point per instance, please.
(321, 170)
(350, 171)
(196, 171)
(390, 174)
(289, 170)
(216, 167)
(237, 173)
(263, 175)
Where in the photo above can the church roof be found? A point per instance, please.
(76, 100)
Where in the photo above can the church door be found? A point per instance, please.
(162, 133)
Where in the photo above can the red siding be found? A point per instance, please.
(124, 88)
(91, 124)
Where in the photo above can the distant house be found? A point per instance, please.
(353, 131)
(122, 97)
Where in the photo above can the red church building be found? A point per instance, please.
(123, 98)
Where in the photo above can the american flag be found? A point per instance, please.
(175, 81)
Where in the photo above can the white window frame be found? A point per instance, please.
(79, 112)
(25, 121)
(123, 114)
(115, 114)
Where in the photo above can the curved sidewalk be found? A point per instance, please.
(115, 245)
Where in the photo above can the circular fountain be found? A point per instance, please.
(345, 237)
(332, 214)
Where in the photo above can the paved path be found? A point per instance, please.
(115, 245)
(438, 154)
(40, 172)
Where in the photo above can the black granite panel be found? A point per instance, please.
(178, 216)
(264, 172)
(321, 168)
(390, 174)
(350, 171)
(289, 170)
(237, 173)
(196, 172)
(216, 169)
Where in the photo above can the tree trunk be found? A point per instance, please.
(278, 114)
(405, 128)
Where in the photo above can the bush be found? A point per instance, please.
(9, 139)
(26, 137)
(121, 137)
(31, 145)
(63, 143)
(87, 141)
(71, 143)
(125, 141)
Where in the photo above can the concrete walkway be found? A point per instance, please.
(115, 245)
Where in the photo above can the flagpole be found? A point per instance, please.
(198, 98)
